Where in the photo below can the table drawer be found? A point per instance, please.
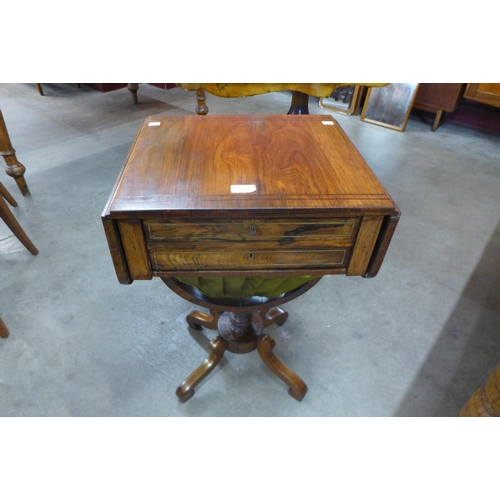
(288, 259)
(252, 229)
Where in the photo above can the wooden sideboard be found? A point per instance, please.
(439, 98)
(486, 93)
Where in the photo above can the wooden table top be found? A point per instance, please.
(296, 163)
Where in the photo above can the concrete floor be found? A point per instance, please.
(416, 340)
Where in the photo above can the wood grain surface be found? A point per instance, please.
(246, 194)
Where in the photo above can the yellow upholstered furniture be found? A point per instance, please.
(300, 92)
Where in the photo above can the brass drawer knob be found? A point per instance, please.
(252, 230)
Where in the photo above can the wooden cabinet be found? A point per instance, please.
(439, 98)
(486, 93)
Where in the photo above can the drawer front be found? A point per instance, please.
(184, 260)
(343, 229)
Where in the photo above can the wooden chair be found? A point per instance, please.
(11, 221)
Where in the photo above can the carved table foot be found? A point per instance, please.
(297, 386)
(198, 320)
(186, 389)
(278, 316)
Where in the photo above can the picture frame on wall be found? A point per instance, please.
(390, 106)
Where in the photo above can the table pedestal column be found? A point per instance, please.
(242, 332)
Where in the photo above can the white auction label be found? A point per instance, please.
(154, 124)
(328, 123)
(243, 188)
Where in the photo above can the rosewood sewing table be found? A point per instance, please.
(262, 197)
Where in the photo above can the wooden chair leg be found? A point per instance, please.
(201, 106)
(437, 120)
(7, 195)
(13, 168)
(39, 87)
(11, 221)
(133, 88)
(4, 332)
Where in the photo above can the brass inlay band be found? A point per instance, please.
(252, 228)
(252, 256)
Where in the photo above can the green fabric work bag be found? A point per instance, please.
(238, 287)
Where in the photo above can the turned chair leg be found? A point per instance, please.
(11, 221)
(201, 98)
(14, 168)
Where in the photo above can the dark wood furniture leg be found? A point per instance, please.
(201, 107)
(14, 168)
(133, 88)
(437, 120)
(11, 221)
(4, 332)
(39, 87)
(297, 386)
(278, 316)
(186, 390)
(199, 320)
(300, 104)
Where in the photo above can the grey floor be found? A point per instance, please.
(416, 340)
